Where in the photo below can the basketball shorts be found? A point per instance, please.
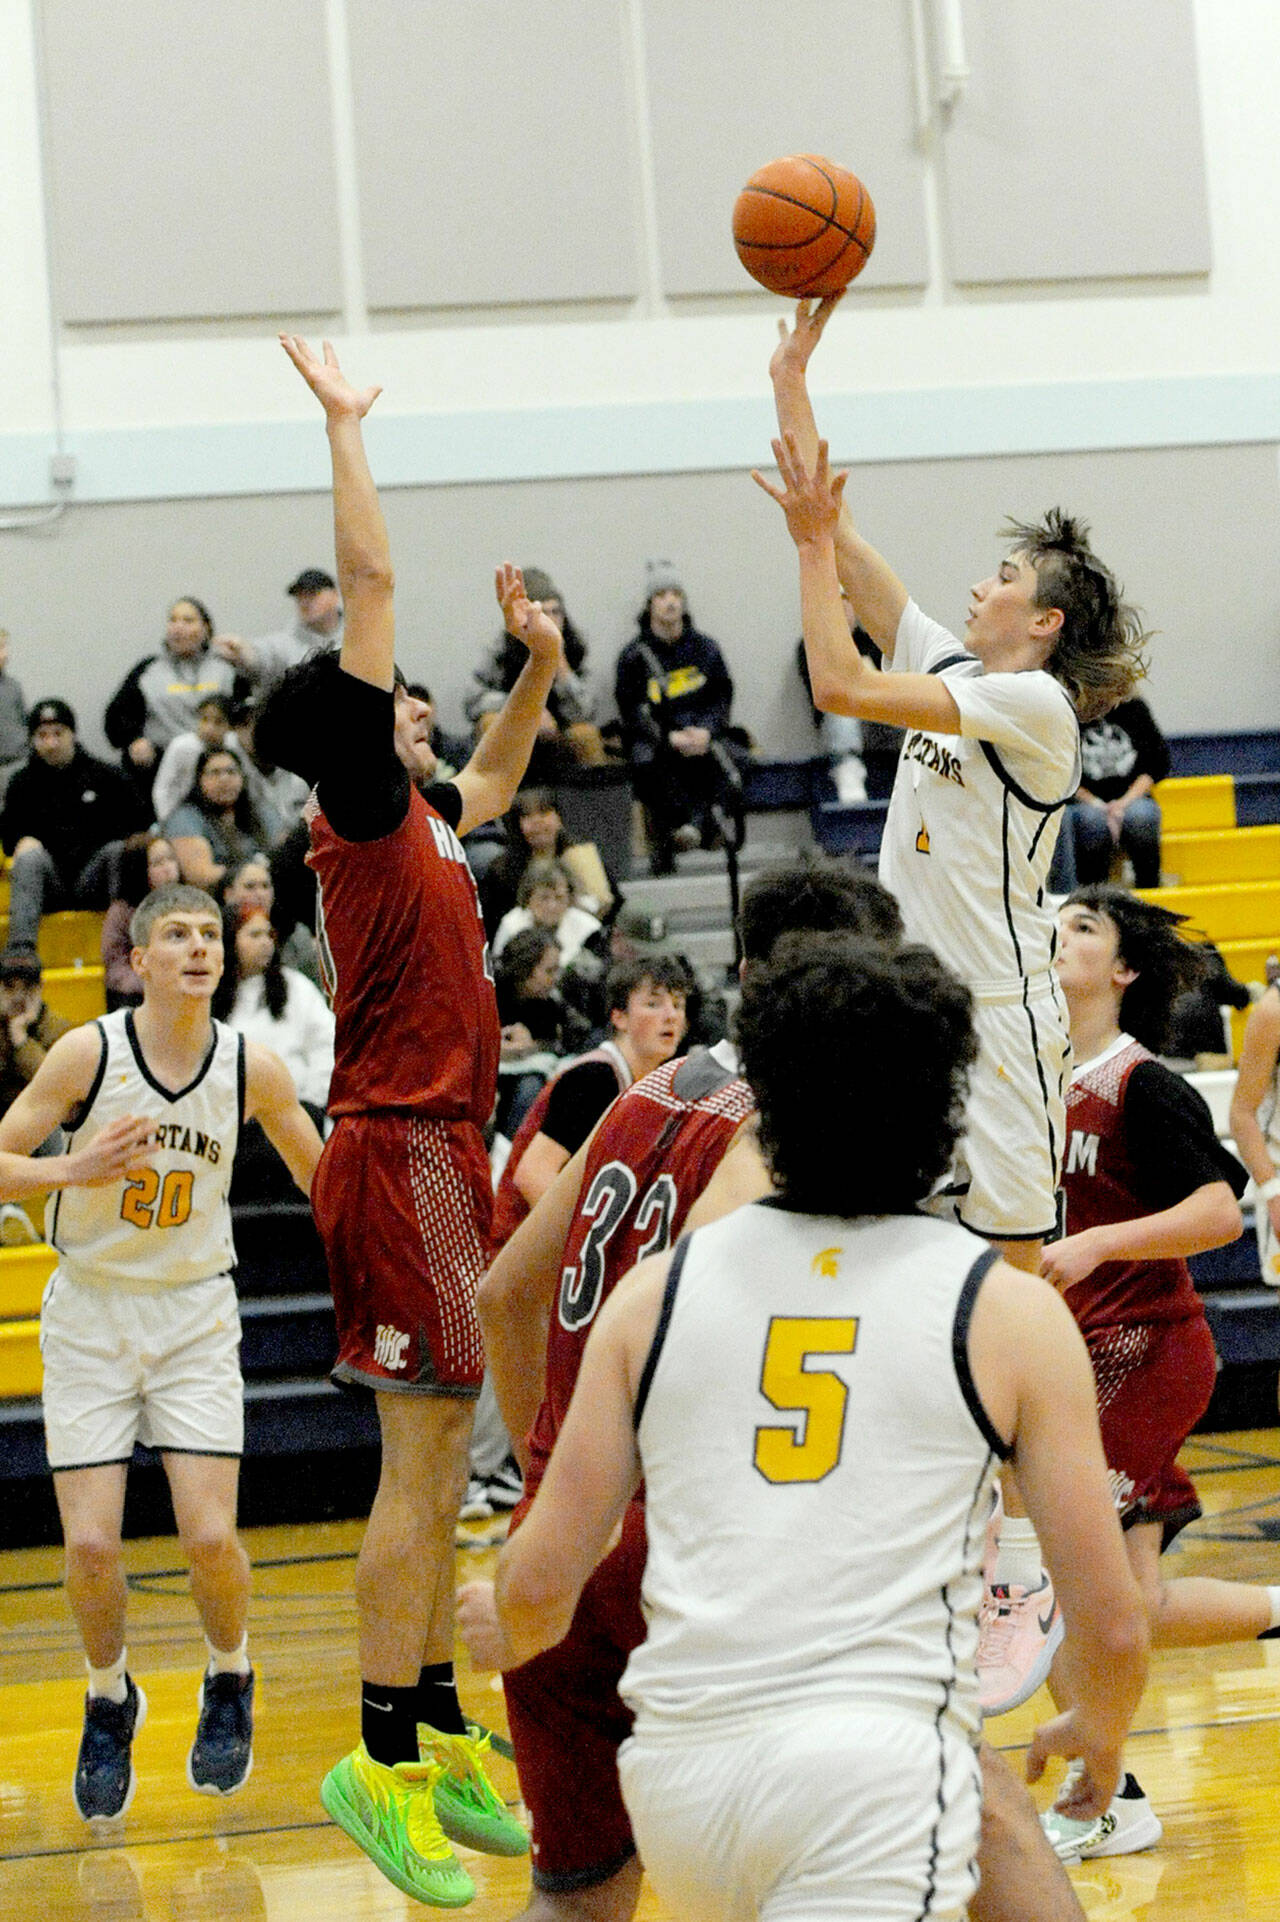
(1008, 1162)
(830, 1811)
(403, 1207)
(1154, 1382)
(568, 1721)
(121, 1368)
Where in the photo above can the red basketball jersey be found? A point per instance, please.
(652, 1156)
(406, 970)
(509, 1205)
(1100, 1181)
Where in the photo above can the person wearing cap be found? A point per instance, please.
(568, 737)
(160, 694)
(317, 624)
(62, 808)
(674, 693)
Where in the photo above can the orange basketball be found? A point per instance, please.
(804, 226)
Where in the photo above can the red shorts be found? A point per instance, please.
(568, 1722)
(1154, 1382)
(403, 1207)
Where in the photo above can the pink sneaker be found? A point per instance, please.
(1019, 1630)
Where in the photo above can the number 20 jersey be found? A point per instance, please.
(653, 1154)
(167, 1222)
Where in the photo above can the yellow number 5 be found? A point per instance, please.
(815, 1398)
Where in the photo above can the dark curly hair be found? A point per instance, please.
(819, 896)
(1098, 654)
(1150, 943)
(859, 1058)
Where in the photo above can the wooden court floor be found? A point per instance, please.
(1207, 1746)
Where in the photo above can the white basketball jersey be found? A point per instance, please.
(169, 1222)
(974, 817)
(818, 1471)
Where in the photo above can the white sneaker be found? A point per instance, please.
(1127, 1824)
(850, 778)
(16, 1230)
(476, 1506)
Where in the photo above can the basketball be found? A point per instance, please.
(804, 226)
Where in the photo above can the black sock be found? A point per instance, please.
(1269, 1634)
(389, 1720)
(437, 1699)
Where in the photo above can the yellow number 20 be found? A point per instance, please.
(147, 1203)
(815, 1398)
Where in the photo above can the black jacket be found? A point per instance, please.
(72, 811)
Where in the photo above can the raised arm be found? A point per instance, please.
(58, 1088)
(489, 781)
(875, 592)
(842, 679)
(272, 1099)
(360, 534)
(1038, 1390)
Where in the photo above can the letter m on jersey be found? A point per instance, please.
(1082, 1154)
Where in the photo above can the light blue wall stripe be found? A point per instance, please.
(269, 457)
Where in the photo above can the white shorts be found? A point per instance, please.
(833, 1812)
(122, 1368)
(1008, 1163)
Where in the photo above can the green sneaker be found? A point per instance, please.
(469, 1807)
(390, 1814)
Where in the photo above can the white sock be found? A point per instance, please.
(1273, 1596)
(234, 1661)
(1018, 1557)
(109, 1681)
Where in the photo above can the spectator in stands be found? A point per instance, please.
(251, 885)
(150, 863)
(158, 698)
(13, 717)
(637, 935)
(317, 624)
(217, 828)
(274, 1004)
(568, 737)
(544, 899)
(1255, 1124)
(28, 1029)
(674, 695)
(177, 770)
(61, 810)
(535, 830)
(1122, 756)
(538, 1030)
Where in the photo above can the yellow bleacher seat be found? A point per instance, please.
(1207, 855)
(66, 938)
(23, 1274)
(20, 1369)
(1235, 911)
(78, 994)
(1196, 801)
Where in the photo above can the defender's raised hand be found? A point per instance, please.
(796, 344)
(810, 501)
(524, 619)
(327, 381)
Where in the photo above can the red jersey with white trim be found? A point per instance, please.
(1104, 1182)
(406, 970)
(509, 1204)
(653, 1154)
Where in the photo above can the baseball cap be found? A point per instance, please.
(310, 581)
(53, 710)
(20, 964)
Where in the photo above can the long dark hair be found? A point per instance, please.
(275, 989)
(243, 813)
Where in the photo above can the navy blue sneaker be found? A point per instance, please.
(222, 1753)
(104, 1779)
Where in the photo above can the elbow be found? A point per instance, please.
(832, 695)
(367, 573)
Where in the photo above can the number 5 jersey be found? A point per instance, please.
(168, 1221)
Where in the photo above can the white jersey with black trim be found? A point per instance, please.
(818, 1471)
(169, 1221)
(974, 817)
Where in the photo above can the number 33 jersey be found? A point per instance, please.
(168, 1221)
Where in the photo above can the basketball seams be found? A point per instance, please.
(798, 237)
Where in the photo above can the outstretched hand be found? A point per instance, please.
(796, 344)
(1093, 1788)
(524, 619)
(327, 381)
(810, 501)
